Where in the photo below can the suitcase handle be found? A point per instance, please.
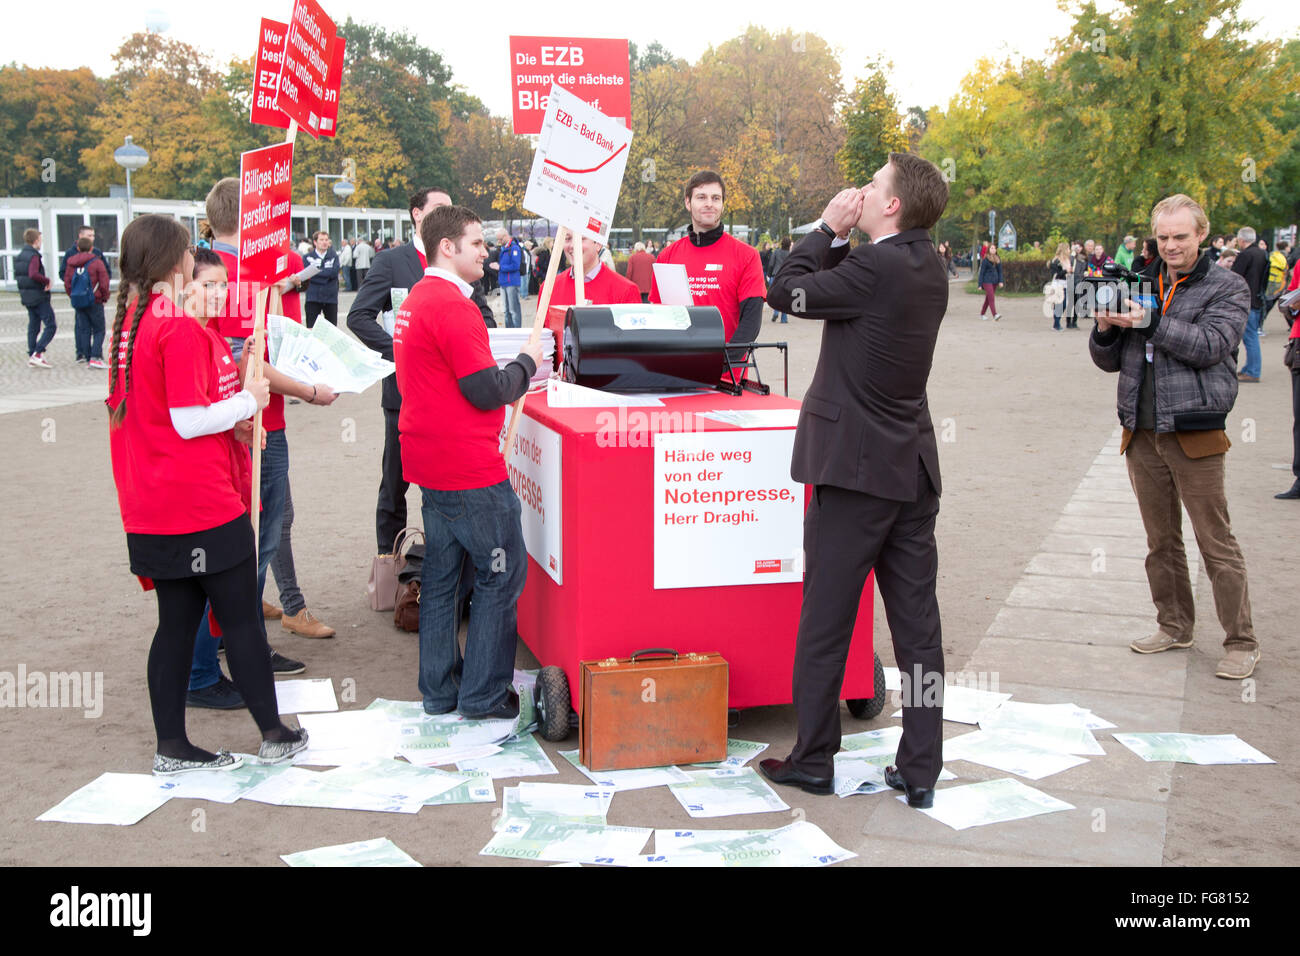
(653, 650)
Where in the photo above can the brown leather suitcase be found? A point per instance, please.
(653, 709)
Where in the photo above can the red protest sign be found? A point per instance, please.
(266, 74)
(329, 115)
(305, 69)
(265, 197)
(266, 79)
(594, 70)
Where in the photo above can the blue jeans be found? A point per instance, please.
(88, 332)
(286, 576)
(514, 313)
(483, 522)
(43, 314)
(204, 669)
(1251, 340)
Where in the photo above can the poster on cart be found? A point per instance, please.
(534, 469)
(726, 510)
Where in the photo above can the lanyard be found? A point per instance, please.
(1166, 299)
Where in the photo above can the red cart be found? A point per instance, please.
(608, 606)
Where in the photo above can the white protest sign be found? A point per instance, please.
(726, 510)
(578, 166)
(534, 469)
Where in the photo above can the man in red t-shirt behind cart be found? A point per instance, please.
(450, 424)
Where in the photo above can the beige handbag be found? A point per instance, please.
(382, 586)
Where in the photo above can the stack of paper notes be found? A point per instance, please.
(322, 355)
(508, 343)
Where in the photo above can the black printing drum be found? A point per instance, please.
(630, 348)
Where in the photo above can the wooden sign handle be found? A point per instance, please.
(539, 322)
(255, 371)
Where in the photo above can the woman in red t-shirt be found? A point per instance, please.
(187, 530)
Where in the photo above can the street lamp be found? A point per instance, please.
(343, 188)
(130, 156)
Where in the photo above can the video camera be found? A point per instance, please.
(1113, 291)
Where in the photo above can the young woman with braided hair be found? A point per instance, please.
(187, 528)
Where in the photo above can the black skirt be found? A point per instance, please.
(169, 556)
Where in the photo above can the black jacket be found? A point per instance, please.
(865, 420)
(1252, 265)
(393, 269)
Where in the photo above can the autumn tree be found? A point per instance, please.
(43, 128)
(491, 163)
(788, 84)
(760, 178)
(669, 130)
(156, 95)
(873, 127)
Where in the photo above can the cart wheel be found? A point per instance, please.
(865, 709)
(553, 704)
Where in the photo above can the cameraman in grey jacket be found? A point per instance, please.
(1177, 383)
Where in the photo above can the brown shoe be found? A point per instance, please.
(305, 624)
(271, 612)
(1237, 664)
(1247, 378)
(1157, 642)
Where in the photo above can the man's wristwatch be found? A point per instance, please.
(822, 227)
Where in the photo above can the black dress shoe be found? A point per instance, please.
(919, 797)
(784, 773)
(1292, 492)
(508, 709)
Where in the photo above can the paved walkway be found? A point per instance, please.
(1081, 598)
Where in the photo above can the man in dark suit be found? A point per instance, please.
(393, 274)
(866, 443)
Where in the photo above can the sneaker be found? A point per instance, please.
(96, 363)
(507, 709)
(281, 750)
(81, 360)
(1242, 377)
(984, 318)
(304, 623)
(223, 695)
(1157, 642)
(40, 361)
(997, 316)
(271, 612)
(170, 766)
(285, 665)
(1237, 664)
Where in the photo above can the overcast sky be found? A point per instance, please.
(932, 44)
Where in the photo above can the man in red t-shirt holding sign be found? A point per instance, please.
(450, 423)
(723, 271)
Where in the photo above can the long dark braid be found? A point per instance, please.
(114, 343)
(119, 414)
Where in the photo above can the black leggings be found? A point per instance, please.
(233, 596)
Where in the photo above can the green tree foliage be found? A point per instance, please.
(43, 128)
(411, 86)
(984, 147)
(1277, 188)
(1157, 98)
(873, 127)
